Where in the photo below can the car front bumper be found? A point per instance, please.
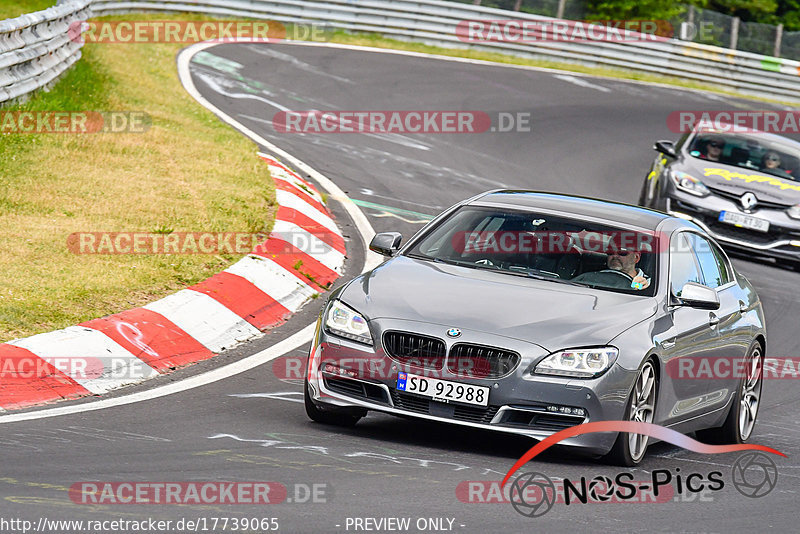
(781, 241)
(343, 373)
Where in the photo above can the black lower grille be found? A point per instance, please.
(415, 350)
(743, 234)
(478, 414)
(355, 388)
(412, 403)
(554, 422)
(478, 361)
(539, 420)
(342, 385)
(471, 414)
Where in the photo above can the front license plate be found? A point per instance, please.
(443, 390)
(744, 221)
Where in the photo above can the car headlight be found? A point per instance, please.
(344, 321)
(689, 184)
(579, 363)
(794, 211)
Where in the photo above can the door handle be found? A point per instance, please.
(713, 320)
(742, 307)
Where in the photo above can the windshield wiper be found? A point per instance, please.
(469, 264)
(527, 273)
(537, 276)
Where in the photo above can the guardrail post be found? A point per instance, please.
(734, 32)
(476, 2)
(562, 4)
(517, 5)
(778, 37)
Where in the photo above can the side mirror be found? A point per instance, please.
(699, 296)
(666, 148)
(386, 243)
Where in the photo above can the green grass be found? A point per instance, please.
(188, 172)
(10, 9)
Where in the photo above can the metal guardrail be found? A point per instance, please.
(435, 22)
(36, 48)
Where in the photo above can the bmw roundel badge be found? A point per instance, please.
(454, 332)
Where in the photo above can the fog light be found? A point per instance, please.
(333, 370)
(567, 410)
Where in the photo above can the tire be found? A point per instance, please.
(345, 417)
(738, 425)
(630, 449)
(789, 265)
(643, 195)
(647, 198)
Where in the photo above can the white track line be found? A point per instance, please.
(279, 349)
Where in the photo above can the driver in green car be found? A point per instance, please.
(622, 272)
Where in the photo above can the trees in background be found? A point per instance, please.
(766, 11)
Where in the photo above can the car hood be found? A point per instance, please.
(738, 180)
(549, 314)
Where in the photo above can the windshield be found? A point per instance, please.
(537, 245)
(748, 152)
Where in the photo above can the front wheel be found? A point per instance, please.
(643, 194)
(629, 449)
(741, 418)
(790, 265)
(647, 196)
(331, 416)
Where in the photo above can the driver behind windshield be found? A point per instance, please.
(714, 147)
(771, 163)
(622, 271)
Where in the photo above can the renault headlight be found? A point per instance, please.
(794, 211)
(579, 363)
(688, 183)
(344, 321)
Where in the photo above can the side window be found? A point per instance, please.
(722, 263)
(683, 267)
(709, 261)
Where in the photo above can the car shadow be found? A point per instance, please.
(400, 431)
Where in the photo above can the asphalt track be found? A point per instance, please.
(588, 136)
